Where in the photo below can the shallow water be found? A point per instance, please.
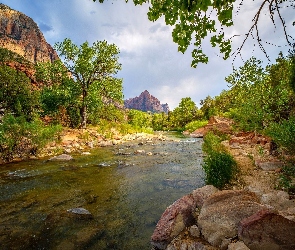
(126, 193)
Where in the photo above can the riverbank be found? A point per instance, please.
(81, 140)
(250, 214)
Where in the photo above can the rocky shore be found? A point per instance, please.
(77, 140)
(251, 214)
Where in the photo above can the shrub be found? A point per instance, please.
(192, 126)
(219, 166)
(21, 138)
(283, 134)
(286, 178)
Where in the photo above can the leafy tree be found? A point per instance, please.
(207, 18)
(17, 95)
(90, 65)
(208, 108)
(139, 119)
(60, 94)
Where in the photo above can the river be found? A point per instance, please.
(125, 187)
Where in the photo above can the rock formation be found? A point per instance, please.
(146, 102)
(229, 219)
(20, 34)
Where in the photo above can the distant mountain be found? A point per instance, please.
(146, 102)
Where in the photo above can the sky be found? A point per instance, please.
(149, 57)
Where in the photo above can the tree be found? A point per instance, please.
(89, 66)
(17, 95)
(210, 18)
(186, 112)
(60, 95)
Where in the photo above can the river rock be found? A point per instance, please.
(221, 213)
(175, 219)
(80, 213)
(62, 157)
(278, 199)
(269, 165)
(194, 231)
(203, 193)
(239, 245)
(86, 153)
(267, 230)
(139, 151)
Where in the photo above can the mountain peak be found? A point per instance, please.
(146, 102)
(20, 34)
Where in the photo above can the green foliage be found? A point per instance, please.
(257, 96)
(60, 96)
(139, 119)
(16, 93)
(286, 178)
(195, 21)
(159, 121)
(93, 69)
(283, 133)
(10, 56)
(186, 112)
(192, 126)
(21, 138)
(219, 166)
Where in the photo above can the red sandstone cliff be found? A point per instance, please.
(146, 102)
(20, 34)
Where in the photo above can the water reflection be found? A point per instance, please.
(125, 192)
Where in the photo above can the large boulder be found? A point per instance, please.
(203, 193)
(174, 220)
(267, 230)
(222, 212)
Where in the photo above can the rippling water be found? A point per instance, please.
(124, 189)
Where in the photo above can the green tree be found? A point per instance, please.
(261, 96)
(139, 119)
(186, 112)
(59, 93)
(193, 21)
(17, 95)
(91, 65)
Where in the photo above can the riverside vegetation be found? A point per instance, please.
(258, 99)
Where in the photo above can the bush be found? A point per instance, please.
(21, 138)
(219, 166)
(192, 126)
(283, 134)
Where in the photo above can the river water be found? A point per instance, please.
(125, 187)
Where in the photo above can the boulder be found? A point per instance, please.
(267, 230)
(174, 220)
(221, 213)
(203, 193)
(239, 245)
(62, 157)
(80, 213)
(269, 165)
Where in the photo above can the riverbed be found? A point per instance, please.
(125, 187)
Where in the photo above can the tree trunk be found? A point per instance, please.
(84, 110)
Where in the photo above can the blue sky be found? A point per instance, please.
(150, 60)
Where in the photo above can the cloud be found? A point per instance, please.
(150, 60)
(44, 27)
